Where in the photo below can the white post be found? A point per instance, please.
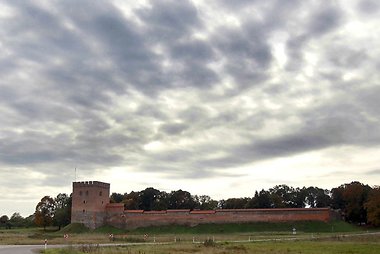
(193, 239)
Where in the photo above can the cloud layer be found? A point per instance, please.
(185, 90)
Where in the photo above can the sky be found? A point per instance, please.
(215, 97)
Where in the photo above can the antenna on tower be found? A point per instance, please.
(75, 174)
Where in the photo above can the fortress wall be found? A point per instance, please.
(90, 206)
(134, 219)
(89, 201)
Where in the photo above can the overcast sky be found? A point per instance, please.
(214, 97)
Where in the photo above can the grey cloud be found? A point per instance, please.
(246, 53)
(76, 57)
(324, 21)
(170, 20)
(174, 128)
(320, 22)
(368, 6)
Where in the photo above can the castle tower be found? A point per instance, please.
(89, 200)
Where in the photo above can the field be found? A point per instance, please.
(310, 237)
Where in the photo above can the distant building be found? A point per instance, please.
(91, 207)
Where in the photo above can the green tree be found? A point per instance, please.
(148, 198)
(283, 196)
(373, 206)
(17, 220)
(132, 200)
(181, 200)
(4, 222)
(263, 199)
(205, 202)
(116, 197)
(317, 197)
(62, 210)
(236, 203)
(162, 201)
(44, 213)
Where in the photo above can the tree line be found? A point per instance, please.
(355, 201)
(49, 212)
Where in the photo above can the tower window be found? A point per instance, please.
(84, 201)
(86, 193)
(100, 193)
(84, 211)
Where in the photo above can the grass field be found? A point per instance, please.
(363, 244)
(311, 237)
(80, 234)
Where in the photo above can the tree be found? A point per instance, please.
(162, 201)
(132, 200)
(148, 198)
(181, 200)
(205, 202)
(4, 221)
(260, 200)
(62, 210)
(116, 197)
(44, 213)
(350, 198)
(283, 196)
(16, 220)
(317, 197)
(236, 203)
(373, 206)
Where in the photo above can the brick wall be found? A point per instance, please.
(133, 219)
(89, 201)
(90, 206)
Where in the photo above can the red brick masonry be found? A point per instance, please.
(91, 207)
(129, 219)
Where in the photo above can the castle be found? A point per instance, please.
(91, 206)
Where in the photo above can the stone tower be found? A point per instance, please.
(89, 202)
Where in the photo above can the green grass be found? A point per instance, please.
(74, 228)
(301, 226)
(367, 245)
(222, 232)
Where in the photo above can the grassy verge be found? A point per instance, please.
(367, 245)
(80, 234)
(301, 226)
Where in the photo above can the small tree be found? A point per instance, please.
(62, 211)
(45, 212)
(17, 220)
(4, 221)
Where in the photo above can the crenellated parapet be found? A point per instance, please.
(91, 184)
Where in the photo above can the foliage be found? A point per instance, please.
(44, 212)
(4, 222)
(350, 198)
(373, 206)
(62, 210)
